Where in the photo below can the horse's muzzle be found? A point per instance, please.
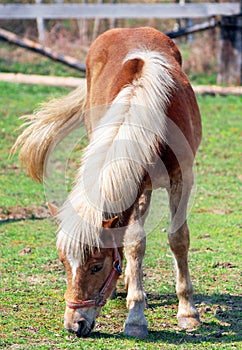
(82, 328)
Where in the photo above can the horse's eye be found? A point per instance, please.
(96, 268)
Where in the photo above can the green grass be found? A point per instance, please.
(32, 285)
(42, 67)
(202, 79)
(35, 64)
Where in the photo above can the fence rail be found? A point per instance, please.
(63, 11)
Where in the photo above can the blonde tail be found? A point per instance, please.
(45, 127)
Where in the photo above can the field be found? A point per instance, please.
(32, 280)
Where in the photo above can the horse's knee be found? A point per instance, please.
(179, 241)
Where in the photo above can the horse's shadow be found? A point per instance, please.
(225, 329)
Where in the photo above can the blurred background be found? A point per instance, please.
(202, 51)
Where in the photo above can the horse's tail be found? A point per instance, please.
(125, 142)
(46, 126)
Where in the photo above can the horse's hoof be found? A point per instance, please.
(136, 331)
(188, 322)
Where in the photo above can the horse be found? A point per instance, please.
(144, 128)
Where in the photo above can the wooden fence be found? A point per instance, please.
(62, 11)
(230, 39)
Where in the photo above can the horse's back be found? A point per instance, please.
(118, 42)
(107, 53)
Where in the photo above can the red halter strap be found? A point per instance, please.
(100, 299)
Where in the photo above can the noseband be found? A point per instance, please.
(100, 299)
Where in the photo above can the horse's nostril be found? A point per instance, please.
(81, 324)
(83, 328)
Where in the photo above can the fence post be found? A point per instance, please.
(230, 51)
(40, 25)
(82, 24)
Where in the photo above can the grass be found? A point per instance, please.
(20, 60)
(32, 280)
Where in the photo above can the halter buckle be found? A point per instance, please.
(117, 266)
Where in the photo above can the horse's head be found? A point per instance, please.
(90, 284)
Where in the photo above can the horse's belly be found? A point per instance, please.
(157, 176)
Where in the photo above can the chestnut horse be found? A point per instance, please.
(144, 128)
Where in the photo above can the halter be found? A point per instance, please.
(100, 299)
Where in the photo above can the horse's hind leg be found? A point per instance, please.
(135, 244)
(179, 241)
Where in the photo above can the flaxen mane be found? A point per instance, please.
(120, 148)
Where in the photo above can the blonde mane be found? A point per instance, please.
(114, 162)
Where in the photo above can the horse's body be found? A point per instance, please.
(144, 128)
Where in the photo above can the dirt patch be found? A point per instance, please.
(225, 264)
(25, 251)
(20, 213)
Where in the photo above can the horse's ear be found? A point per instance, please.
(111, 223)
(54, 211)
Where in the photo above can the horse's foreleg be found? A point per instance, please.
(135, 244)
(179, 241)
(136, 324)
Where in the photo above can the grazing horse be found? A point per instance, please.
(144, 128)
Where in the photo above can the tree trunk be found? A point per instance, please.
(230, 51)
